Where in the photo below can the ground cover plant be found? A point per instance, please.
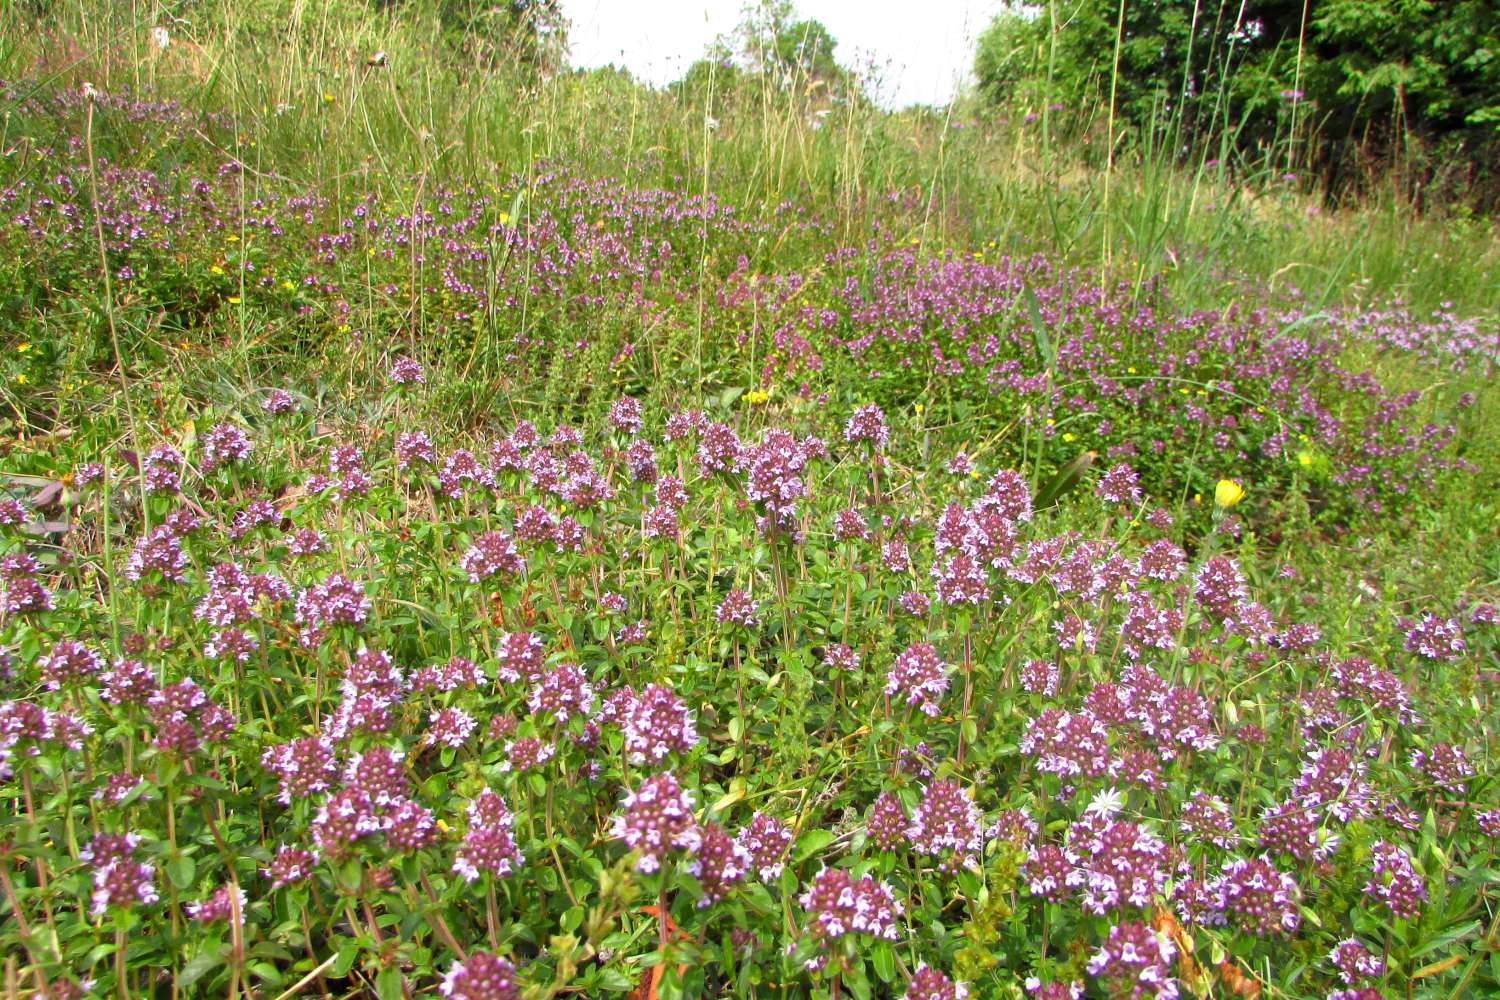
(716, 564)
(722, 705)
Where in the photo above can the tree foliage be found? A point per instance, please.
(772, 47)
(1337, 80)
(528, 34)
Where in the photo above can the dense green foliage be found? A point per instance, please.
(1330, 85)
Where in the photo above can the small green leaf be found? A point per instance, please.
(349, 875)
(884, 960)
(199, 966)
(812, 842)
(347, 953)
(388, 984)
(181, 870)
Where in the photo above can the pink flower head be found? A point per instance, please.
(655, 818)
(919, 675)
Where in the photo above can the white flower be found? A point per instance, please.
(1107, 802)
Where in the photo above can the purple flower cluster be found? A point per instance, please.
(120, 879)
(304, 767)
(625, 415)
(1135, 962)
(493, 553)
(1119, 485)
(521, 656)
(290, 865)
(1435, 638)
(947, 824)
(657, 723)
(563, 692)
(837, 904)
(161, 470)
(719, 862)
(69, 664)
(1445, 766)
(1394, 880)
(23, 592)
(867, 424)
(919, 676)
(489, 846)
(337, 600)
(158, 553)
(406, 371)
(775, 478)
(1355, 962)
(1258, 897)
(738, 609)
(1068, 744)
(655, 818)
(928, 983)
(224, 904)
(224, 444)
(767, 840)
(450, 727)
(482, 976)
(886, 823)
(1119, 863)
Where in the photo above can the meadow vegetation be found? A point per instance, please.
(475, 528)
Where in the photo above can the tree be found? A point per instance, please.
(530, 35)
(1009, 56)
(796, 53)
(1357, 79)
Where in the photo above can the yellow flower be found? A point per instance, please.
(1304, 458)
(328, 98)
(216, 269)
(920, 408)
(234, 300)
(1070, 436)
(23, 347)
(1131, 369)
(231, 238)
(1228, 493)
(287, 285)
(21, 378)
(504, 218)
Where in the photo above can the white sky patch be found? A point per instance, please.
(921, 52)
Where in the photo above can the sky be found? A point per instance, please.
(922, 50)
